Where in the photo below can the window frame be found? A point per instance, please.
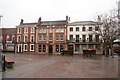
(71, 29)
(77, 29)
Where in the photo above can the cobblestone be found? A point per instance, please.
(57, 66)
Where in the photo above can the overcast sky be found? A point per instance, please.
(30, 10)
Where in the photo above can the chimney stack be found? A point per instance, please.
(67, 18)
(39, 20)
(21, 21)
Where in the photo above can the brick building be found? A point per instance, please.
(51, 36)
(1, 47)
(42, 37)
(26, 36)
(8, 39)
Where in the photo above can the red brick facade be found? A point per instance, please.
(8, 39)
(48, 36)
(26, 36)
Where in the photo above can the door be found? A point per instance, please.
(50, 49)
(70, 47)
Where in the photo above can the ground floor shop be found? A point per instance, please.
(50, 48)
(78, 48)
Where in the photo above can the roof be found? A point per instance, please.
(77, 23)
(47, 23)
(30, 23)
(27, 24)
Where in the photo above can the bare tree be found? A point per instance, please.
(109, 30)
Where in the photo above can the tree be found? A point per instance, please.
(109, 30)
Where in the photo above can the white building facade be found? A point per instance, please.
(83, 35)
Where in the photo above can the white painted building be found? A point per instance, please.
(83, 35)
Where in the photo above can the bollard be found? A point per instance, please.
(3, 63)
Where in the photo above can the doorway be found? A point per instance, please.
(50, 49)
(70, 47)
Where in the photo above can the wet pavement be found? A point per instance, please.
(57, 66)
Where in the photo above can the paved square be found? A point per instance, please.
(57, 66)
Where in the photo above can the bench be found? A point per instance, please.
(9, 62)
(69, 52)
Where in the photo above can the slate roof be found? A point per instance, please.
(47, 23)
(30, 23)
(78, 23)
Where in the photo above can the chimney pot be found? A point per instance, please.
(39, 20)
(21, 21)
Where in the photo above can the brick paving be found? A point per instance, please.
(57, 66)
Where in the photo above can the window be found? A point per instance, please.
(90, 46)
(77, 28)
(40, 37)
(97, 38)
(61, 37)
(83, 38)
(71, 37)
(44, 30)
(25, 30)
(25, 38)
(62, 30)
(90, 38)
(44, 48)
(83, 28)
(57, 37)
(19, 30)
(32, 38)
(61, 47)
(32, 29)
(71, 29)
(77, 37)
(40, 30)
(32, 47)
(13, 38)
(90, 28)
(25, 47)
(96, 28)
(50, 36)
(84, 46)
(57, 48)
(19, 38)
(57, 30)
(40, 48)
(8, 38)
(44, 37)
